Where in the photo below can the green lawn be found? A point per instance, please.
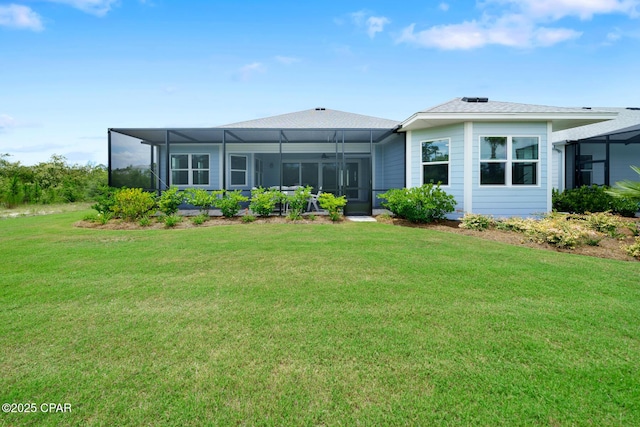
(323, 324)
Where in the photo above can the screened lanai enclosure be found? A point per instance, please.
(359, 163)
(603, 159)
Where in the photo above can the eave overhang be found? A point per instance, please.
(559, 121)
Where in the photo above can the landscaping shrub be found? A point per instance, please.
(555, 229)
(171, 220)
(170, 200)
(592, 198)
(634, 249)
(145, 221)
(334, 205)
(228, 201)
(248, 218)
(264, 201)
(476, 222)
(199, 219)
(132, 204)
(298, 202)
(200, 198)
(419, 204)
(604, 222)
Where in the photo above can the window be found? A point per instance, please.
(435, 161)
(238, 170)
(509, 160)
(189, 169)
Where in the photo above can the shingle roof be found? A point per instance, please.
(457, 105)
(460, 110)
(317, 118)
(626, 120)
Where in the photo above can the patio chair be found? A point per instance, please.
(313, 201)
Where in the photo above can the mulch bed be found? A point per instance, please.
(611, 248)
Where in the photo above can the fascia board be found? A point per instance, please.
(437, 119)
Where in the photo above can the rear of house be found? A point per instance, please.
(493, 157)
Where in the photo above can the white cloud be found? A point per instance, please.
(512, 31)
(7, 122)
(94, 7)
(583, 9)
(359, 17)
(20, 17)
(522, 24)
(550, 36)
(443, 7)
(286, 60)
(372, 24)
(375, 24)
(248, 71)
(614, 36)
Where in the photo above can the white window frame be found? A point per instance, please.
(509, 161)
(245, 170)
(447, 162)
(190, 169)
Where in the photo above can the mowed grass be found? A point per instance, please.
(323, 324)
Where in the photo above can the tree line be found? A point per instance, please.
(53, 181)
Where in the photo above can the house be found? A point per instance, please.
(494, 157)
(600, 153)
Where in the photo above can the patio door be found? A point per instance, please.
(356, 184)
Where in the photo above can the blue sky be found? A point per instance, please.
(71, 69)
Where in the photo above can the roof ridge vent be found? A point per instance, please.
(474, 99)
(320, 109)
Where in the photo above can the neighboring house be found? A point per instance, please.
(600, 153)
(494, 157)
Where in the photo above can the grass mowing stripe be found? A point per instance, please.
(311, 324)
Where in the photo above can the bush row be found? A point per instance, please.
(134, 204)
(594, 198)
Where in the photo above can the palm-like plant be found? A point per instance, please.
(627, 188)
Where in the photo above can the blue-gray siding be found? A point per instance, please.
(504, 201)
(456, 159)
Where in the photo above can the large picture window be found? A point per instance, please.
(239, 170)
(435, 161)
(509, 160)
(190, 169)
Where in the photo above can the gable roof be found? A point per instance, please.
(627, 120)
(317, 118)
(460, 110)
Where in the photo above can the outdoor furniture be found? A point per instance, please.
(313, 201)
